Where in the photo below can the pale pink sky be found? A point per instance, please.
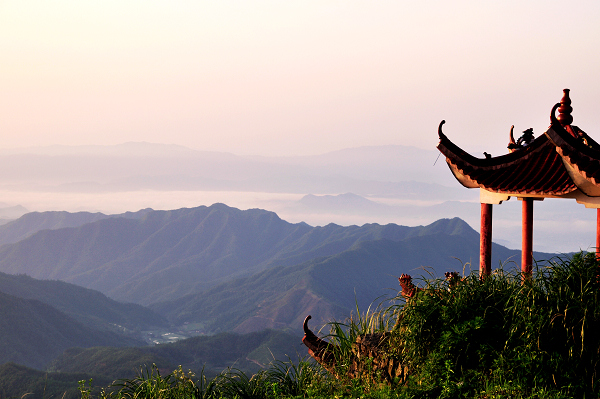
(293, 77)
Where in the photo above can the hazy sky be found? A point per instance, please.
(293, 77)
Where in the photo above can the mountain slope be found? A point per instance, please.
(329, 287)
(165, 255)
(89, 307)
(248, 352)
(34, 333)
(17, 381)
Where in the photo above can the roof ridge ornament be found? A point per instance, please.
(441, 135)
(526, 138)
(511, 141)
(564, 110)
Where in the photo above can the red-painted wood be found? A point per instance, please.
(564, 111)
(527, 236)
(485, 243)
(598, 233)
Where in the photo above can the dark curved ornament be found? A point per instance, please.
(440, 134)
(512, 144)
(511, 136)
(305, 325)
(322, 351)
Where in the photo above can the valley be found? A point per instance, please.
(158, 277)
(105, 294)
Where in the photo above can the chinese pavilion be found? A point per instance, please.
(564, 162)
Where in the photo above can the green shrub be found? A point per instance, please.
(533, 336)
(498, 337)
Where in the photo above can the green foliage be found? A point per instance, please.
(505, 333)
(18, 381)
(344, 334)
(281, 379)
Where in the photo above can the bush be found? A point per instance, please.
(506, 335)
(534, 336)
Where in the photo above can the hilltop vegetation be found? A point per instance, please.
(208, 355)
(224, 270)
(502, 336)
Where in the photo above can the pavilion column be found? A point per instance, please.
(527, 237)
(598, 233)
(485, 243)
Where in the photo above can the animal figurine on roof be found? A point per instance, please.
(523, 141)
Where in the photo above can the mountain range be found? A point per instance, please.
(85, 292)
(214, 266)
(164, 255)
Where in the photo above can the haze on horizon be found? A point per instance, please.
(292, 78)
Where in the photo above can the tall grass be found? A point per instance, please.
(280, 379)
(533, 335)
(498, 337)
(378, 319)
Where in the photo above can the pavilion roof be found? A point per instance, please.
(558, 162)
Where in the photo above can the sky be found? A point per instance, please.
(293, 77)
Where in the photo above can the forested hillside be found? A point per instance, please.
(329, 287)
(34, 333)
(165, 255)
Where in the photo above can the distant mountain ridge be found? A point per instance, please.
(164, 255)
(33, 222)
(382, 170)
(213, 269)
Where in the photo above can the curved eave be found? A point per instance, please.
(454, 152)
(581, 161)
(536, 169)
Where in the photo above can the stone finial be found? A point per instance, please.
(565, 109)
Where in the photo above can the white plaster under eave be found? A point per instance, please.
(489, 197)
(587, 187)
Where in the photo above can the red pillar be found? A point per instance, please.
(598, 233)
(485, 241)
(527, 237)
